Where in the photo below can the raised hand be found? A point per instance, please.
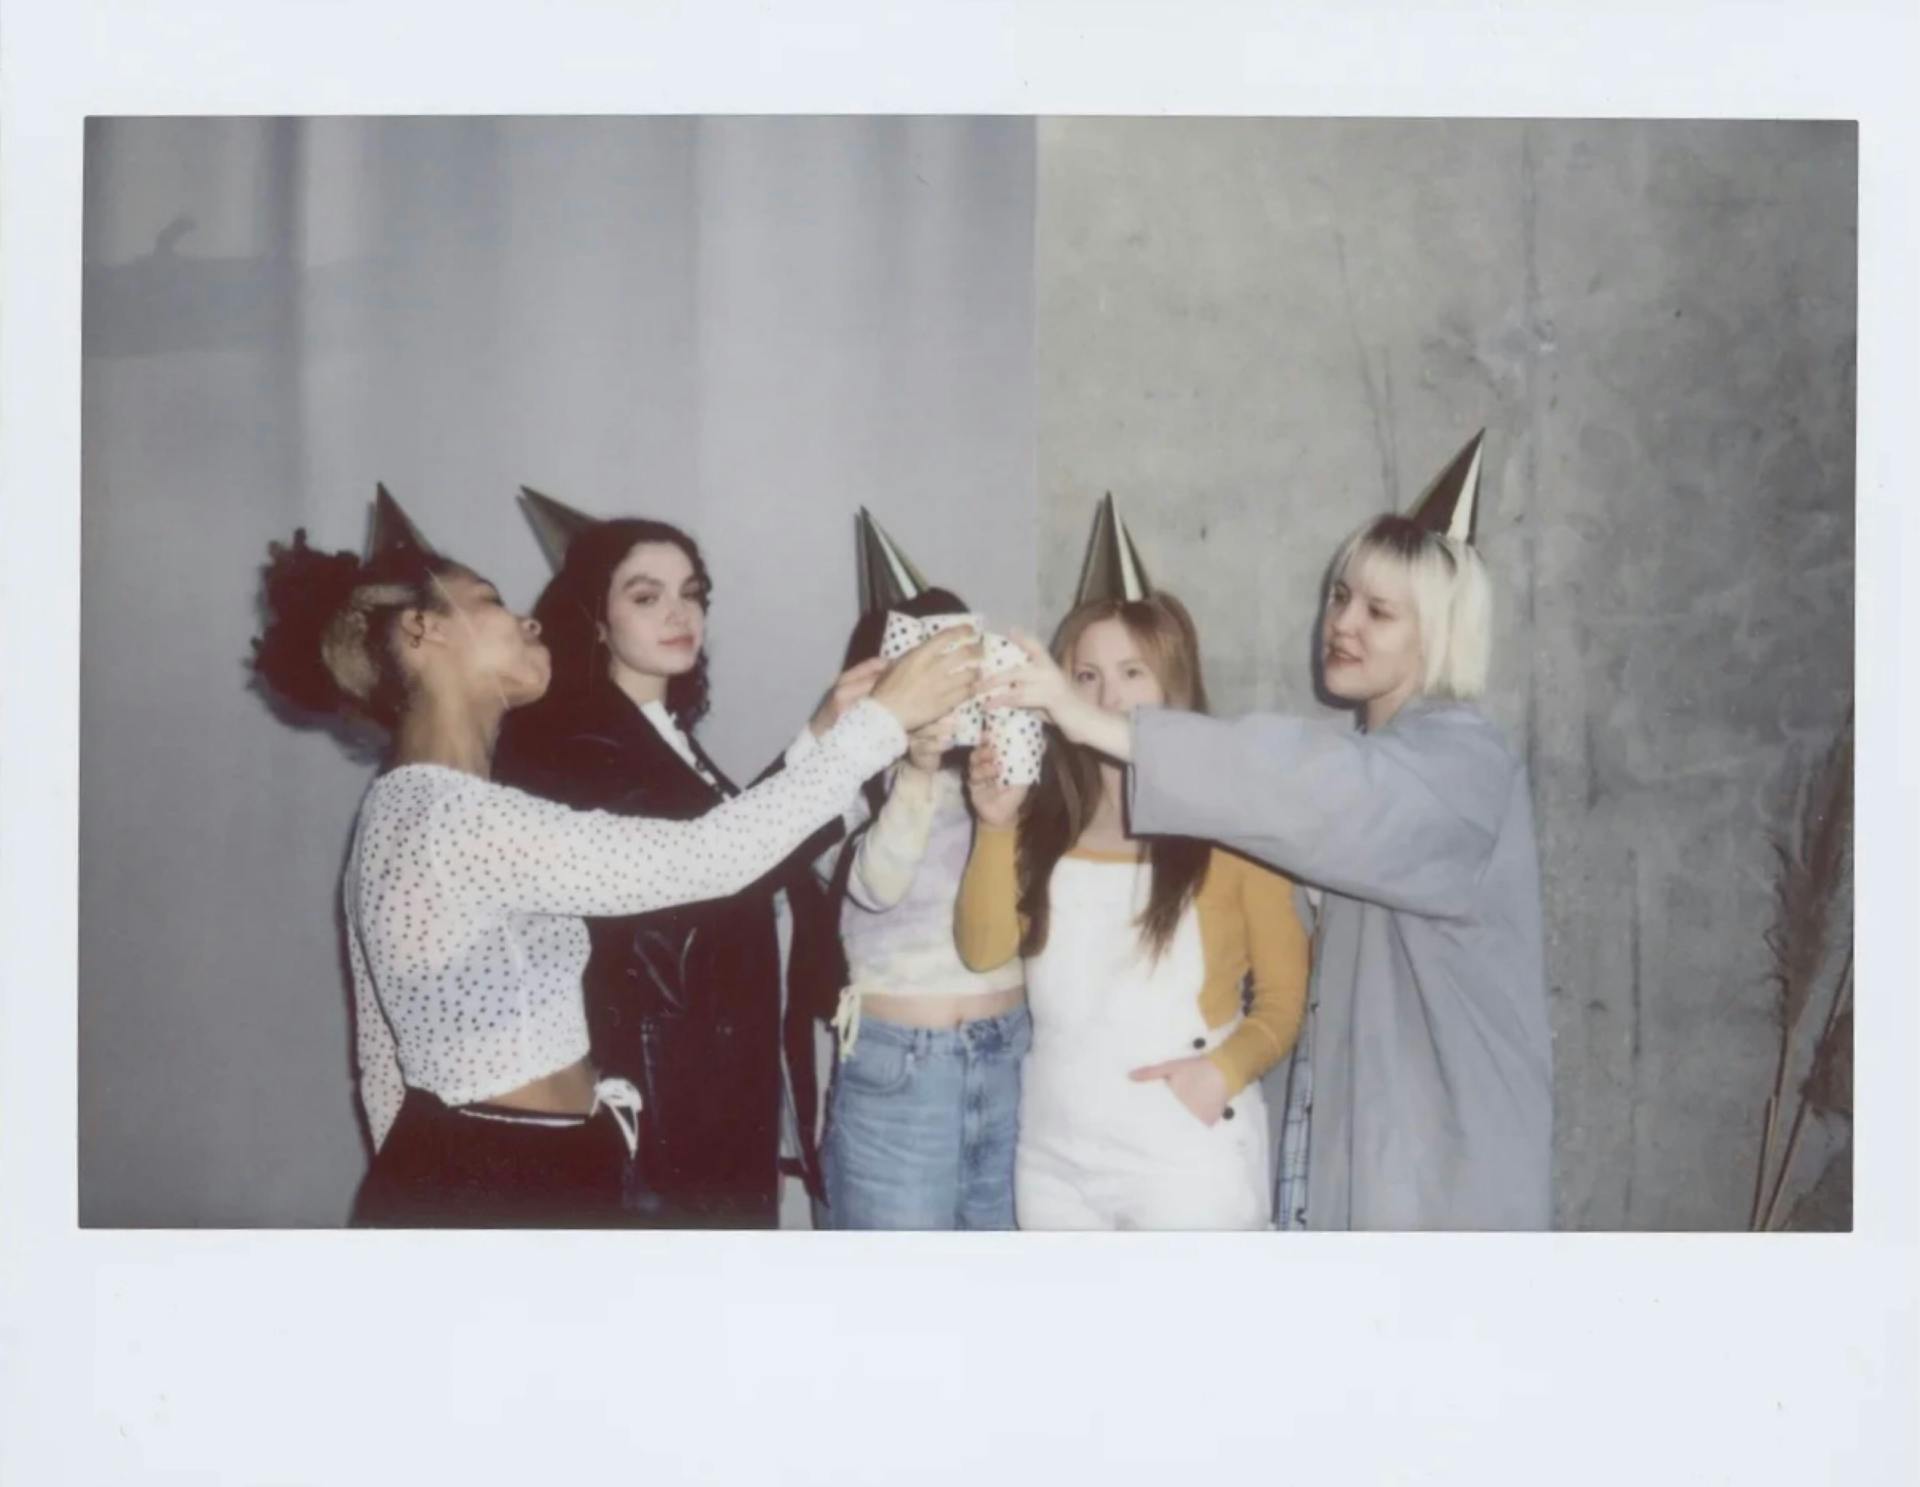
(927, 746)
(1039, 683)
(932, 679)
(994, 803)
(848, 688)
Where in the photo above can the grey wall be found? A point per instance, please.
(749, 327)
(1255, 333)
(1258, 333)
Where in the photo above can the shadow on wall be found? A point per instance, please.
(365, 743)
(166, 302)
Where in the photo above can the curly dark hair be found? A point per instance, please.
(573, 606)
(327, 641)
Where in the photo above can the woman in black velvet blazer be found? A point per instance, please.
(687, 1003)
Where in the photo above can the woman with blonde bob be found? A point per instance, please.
(1141, 1103)
(1432, 1101)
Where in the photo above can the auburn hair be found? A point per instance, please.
(1063, 802)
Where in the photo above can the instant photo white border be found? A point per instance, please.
(310, 1357)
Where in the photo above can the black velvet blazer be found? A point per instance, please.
(687, 1002)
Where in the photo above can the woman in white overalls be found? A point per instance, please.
(1141, 1104)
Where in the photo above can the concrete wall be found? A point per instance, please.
(1255, 333)
(1258, 333)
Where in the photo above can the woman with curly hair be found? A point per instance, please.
(464, 897)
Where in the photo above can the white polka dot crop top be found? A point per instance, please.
(463, 900)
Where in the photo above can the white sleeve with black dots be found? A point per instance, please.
(804, 743)
(522, 854)
(382, 1088)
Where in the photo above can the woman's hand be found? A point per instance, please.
(994, 803)
(1196, 1081)
(1039, 683)
(848, 688)
(927, 746)
(932, 679)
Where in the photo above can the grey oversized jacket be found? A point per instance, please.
(1432, 1095)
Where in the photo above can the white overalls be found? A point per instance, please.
(1098, 1150)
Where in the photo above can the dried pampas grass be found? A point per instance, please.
(1811, 924)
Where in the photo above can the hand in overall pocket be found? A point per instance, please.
(1196, 1082)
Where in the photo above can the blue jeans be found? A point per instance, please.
(921, 1126)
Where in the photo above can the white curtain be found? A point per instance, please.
(745, 326)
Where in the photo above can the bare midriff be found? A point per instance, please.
(567, 1091)
(941, 1011)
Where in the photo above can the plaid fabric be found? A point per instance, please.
(1290, 1172)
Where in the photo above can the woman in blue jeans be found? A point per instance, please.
(924, 1111)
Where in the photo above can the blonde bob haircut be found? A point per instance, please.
(1451, 598)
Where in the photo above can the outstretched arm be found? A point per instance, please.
(1407, 818)
(532, 856)
(1041, 684)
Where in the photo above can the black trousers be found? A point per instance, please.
(490, 1167)
(710, 1124)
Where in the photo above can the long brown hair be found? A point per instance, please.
(1064, 800)
(572, 612)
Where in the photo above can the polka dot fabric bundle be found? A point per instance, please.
(1017, 734)
(1020, 739)
(904, 632)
